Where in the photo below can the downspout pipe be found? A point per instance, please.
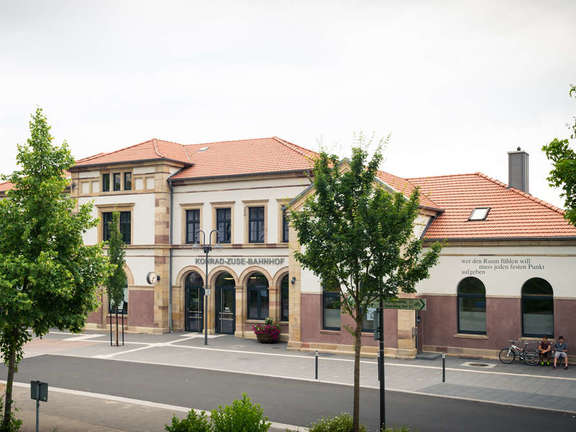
(171, 242)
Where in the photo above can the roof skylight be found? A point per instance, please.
(203, 149)
(479, 214)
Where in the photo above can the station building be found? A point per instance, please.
(506, 271)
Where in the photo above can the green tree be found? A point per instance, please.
(48, 278)
(357, 237)
(563, 174)
(117, 280)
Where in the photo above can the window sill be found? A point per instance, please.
(534, 338)
(470, 336)
(255, 321)
(325, 331)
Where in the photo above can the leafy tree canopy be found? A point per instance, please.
(358, 236)
(117, 280)
(563, 174)
(48, 277)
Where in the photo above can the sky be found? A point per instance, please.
(454, 84)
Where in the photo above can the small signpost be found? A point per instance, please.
(38, 392)
(418, 304)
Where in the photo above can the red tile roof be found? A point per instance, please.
(5, 186)
(153, 149)
(252, 156)
(513, 213)
(404, 186)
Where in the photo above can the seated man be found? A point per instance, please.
(561, 351)
(544, 351)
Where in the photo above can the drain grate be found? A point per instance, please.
(479, 364)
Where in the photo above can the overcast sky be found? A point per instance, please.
(457, 84)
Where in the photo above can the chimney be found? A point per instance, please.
(518, 170)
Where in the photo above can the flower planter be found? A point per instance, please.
(267, 333)
(266, 338)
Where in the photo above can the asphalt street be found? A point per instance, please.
(284, 400)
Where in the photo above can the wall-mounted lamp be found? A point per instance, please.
(293, 280)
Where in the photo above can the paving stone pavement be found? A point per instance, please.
(517, 384)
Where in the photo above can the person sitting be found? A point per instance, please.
(561, 351)
(544, 351)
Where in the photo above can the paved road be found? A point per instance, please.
(285, 401)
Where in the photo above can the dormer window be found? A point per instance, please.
(479, 214)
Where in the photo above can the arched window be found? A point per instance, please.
(225, 303)
(537, 308)
(471, 306)
(194, 298)
(257, 296)
(284, 299)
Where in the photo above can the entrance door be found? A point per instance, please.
(225, 304)
(194, 314)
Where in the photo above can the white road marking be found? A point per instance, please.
(143, 403)
(151, 345)
(82, 337)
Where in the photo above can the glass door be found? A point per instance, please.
(194, 313)
(226, 310)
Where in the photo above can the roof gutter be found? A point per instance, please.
(79, 167)
(234, 176)
(501, 239)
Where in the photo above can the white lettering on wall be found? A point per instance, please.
(242, 261)
(481, 265)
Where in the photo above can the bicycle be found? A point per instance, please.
(508, 355)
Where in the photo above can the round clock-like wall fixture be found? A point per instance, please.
(152, 278)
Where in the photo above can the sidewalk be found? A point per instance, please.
(99, 413)
(485, 380)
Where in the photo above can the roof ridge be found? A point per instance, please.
(522, 193)
(294, 147)
(90, 157)
(228, 141)
(440, 176)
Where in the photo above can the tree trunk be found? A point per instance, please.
(9, 385)
(357, 348)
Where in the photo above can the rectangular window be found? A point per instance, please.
(369, 320)
(127, 181)
(193, 226)
(224, 225)
(116, 181)
(125, 226)
(285, 225)
(106, 182)
(106, 219)
(331, 310)
(256, 225)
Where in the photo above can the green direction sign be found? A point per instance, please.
(406, 303)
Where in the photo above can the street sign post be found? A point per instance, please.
(418, 304)
(38, 392)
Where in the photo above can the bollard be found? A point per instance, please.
(316, 364)
(443, 367)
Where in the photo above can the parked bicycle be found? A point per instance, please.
(508, 355)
